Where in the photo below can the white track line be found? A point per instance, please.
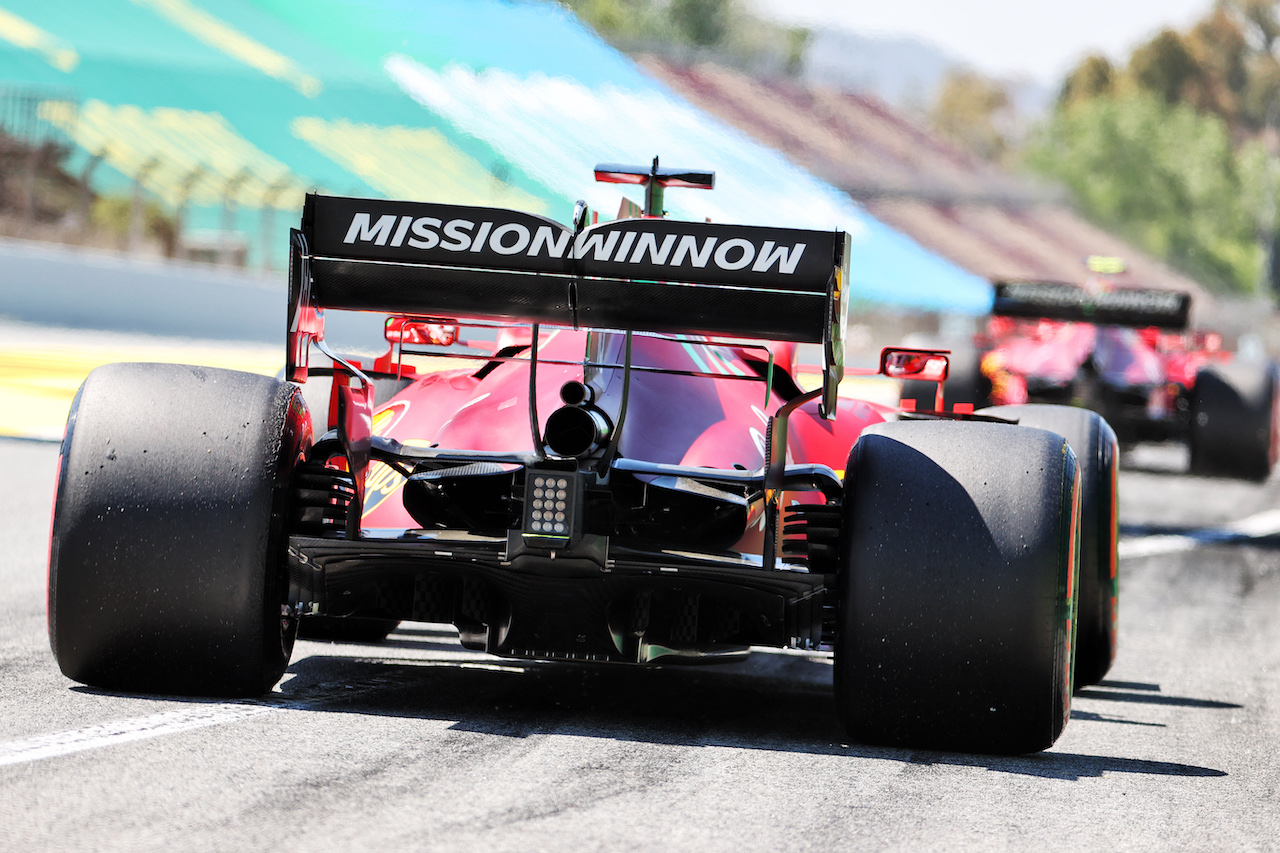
(312, 697)
(121, 731)
(172, 722)
(1254, 527)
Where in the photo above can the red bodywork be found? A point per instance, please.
(718, 422)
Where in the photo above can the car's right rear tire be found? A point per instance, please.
(1098, 455)
(957, 588)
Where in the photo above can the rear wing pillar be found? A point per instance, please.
(305, 324)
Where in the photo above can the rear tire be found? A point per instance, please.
(1233, 429)
(167, 561)
(1097, 454)
(957, 587)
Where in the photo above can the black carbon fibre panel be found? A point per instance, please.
(696, 309)
(443, 292)
(447, 234)
(1121, 306)
(743, 255)
(644, 306)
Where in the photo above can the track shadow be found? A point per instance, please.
(1137, 692)
(1140, 530)
(1154, 699)
(1129, 685)
(1069, 766)
(1089, 716)
(783, 703)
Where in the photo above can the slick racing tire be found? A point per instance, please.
(1097, 456)
(956, 587)
(167, 561)
(345, 629)
(1233, 430)
(965, 383)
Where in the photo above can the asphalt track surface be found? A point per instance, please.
(418, 744)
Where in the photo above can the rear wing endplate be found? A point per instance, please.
(1122, 306)
(645, 275)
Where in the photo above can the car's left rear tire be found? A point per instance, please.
(957, 586)
(167, 565)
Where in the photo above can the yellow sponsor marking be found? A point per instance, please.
(873, 389)
(381, 483)
(26, 35)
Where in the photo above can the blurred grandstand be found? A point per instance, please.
(967, 210)
(191, 129)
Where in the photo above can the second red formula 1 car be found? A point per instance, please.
(594, 448)
(1126, 353)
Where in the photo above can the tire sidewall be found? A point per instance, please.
(167, 554)
(1097, 454)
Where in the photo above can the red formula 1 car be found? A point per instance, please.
(611, 468)
(1127, 354)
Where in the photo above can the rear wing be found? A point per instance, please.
(645, 275)
(1055, 300)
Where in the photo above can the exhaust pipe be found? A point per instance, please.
(577, 428)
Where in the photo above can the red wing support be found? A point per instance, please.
(306, 321)
(775, 469)
(355, 430)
